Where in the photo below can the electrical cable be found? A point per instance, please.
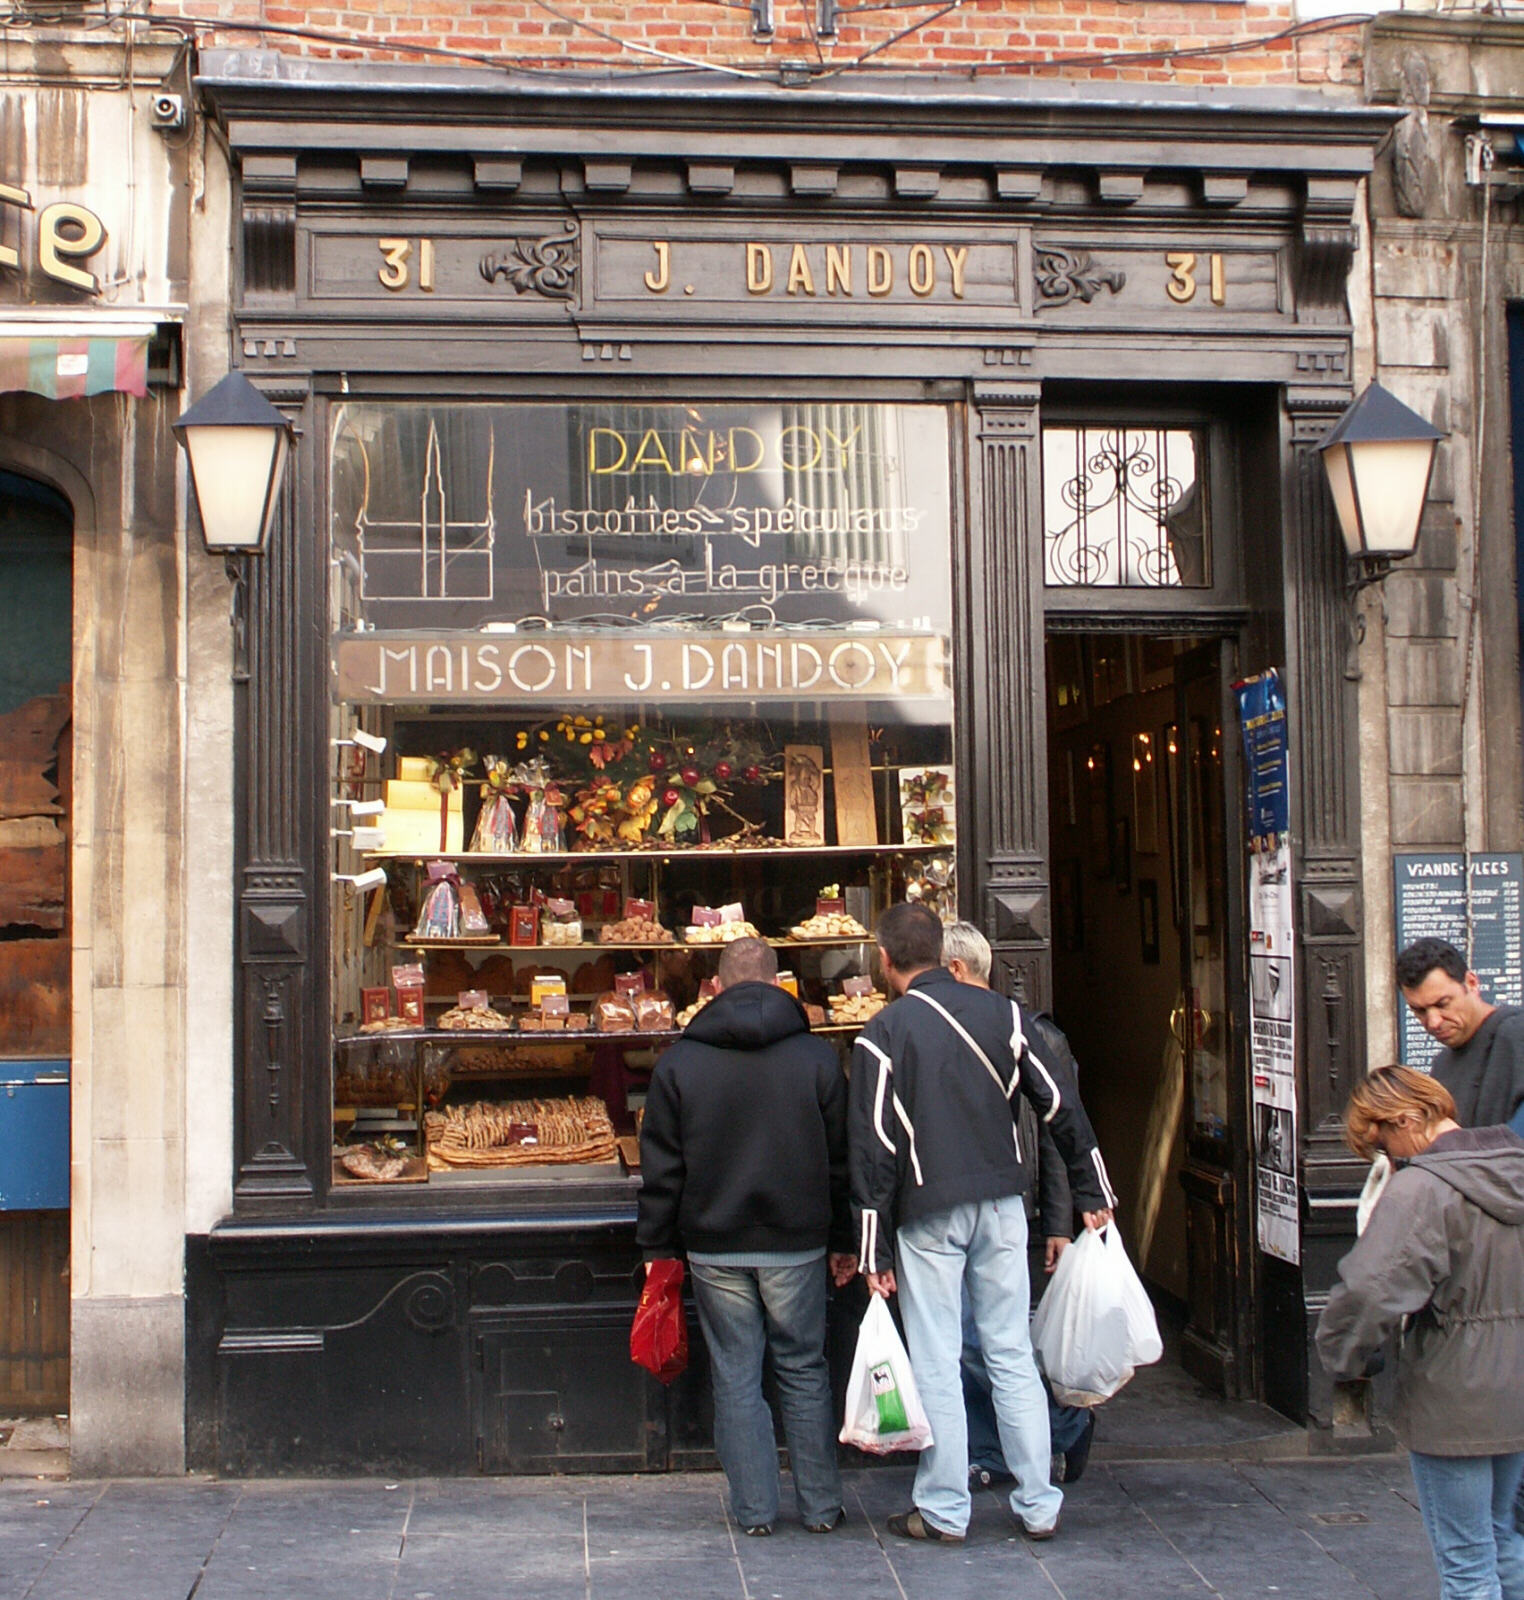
(1486, 156)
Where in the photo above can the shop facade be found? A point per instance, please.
(923, 468)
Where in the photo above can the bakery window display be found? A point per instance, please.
(610, 864)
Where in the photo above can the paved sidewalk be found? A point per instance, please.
(1307, 1530)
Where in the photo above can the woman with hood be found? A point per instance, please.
(1442, 1260)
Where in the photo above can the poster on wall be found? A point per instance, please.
(1431, 903)
(1272, 985)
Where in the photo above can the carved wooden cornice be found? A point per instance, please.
(915, 142)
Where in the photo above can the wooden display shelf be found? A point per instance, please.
(665, 853)
(779, 942)
(531, 949)
(469, 1036)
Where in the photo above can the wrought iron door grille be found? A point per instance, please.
(1125, 508)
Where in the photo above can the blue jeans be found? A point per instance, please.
(1066, 1424)
(981, 1247)
(744, 1310)
(1467, 1504)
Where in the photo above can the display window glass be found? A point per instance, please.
(649, 678)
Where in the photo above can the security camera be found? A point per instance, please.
(368, 838)
(369, 741)
(167, 110)
(362, 881)
(363, 808)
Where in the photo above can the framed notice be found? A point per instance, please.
(1431, 902)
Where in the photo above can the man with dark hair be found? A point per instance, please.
(743, 1154)
(938, 1175)
(1482, 1062)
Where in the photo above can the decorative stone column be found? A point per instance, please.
(1001, 686)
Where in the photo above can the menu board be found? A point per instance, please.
(1431, 902)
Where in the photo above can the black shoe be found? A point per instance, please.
(827, 1524)
(758, 1530)
(1078, 1453)
(912, 1525)
(988, 1477)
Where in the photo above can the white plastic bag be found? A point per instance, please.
(884, 1410)
(1095, 1325)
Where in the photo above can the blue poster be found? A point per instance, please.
(1262, 710)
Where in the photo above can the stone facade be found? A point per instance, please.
(1440, 695)
(84, 138)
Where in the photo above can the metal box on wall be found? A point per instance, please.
(34, 1135)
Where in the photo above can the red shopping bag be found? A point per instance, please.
(659, 1334)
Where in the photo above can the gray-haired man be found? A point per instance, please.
(966, 954)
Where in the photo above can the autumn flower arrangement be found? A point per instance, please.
(644, 783)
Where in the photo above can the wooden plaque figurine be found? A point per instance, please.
(803, 794)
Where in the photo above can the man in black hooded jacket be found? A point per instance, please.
(743, 1154)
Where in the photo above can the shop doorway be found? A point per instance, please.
(1142, 841)
(36, 545)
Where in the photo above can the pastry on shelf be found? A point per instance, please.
(519, 1133)
(688, 1013)
(856, 1008)
(720, 933)
(375, 1162)
(474, 1019)
(388, 1025)
(635, 930)
(832, 925)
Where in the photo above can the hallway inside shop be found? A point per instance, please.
(1142, 837)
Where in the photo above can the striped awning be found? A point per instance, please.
(63, 368)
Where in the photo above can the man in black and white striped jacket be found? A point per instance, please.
(938, 1176)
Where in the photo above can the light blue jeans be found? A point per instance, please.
(982, 1248)
(744, 1311)
(1467, 1504)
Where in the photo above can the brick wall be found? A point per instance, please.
(1247, 45)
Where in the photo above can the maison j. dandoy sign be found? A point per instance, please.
(621, 668)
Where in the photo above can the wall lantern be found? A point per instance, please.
(237, 443)
(1379, 458)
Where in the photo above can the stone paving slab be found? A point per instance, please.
(1154, 1530)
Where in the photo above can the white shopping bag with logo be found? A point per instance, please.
(884, 1411)
(1095, 1326)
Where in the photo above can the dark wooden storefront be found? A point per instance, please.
(465, 238)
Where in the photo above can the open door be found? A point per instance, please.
(1213, 1174)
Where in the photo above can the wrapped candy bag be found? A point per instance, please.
(439, 914)
(496, 826)
(543, 833)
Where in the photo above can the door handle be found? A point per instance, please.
(1201, 1019)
